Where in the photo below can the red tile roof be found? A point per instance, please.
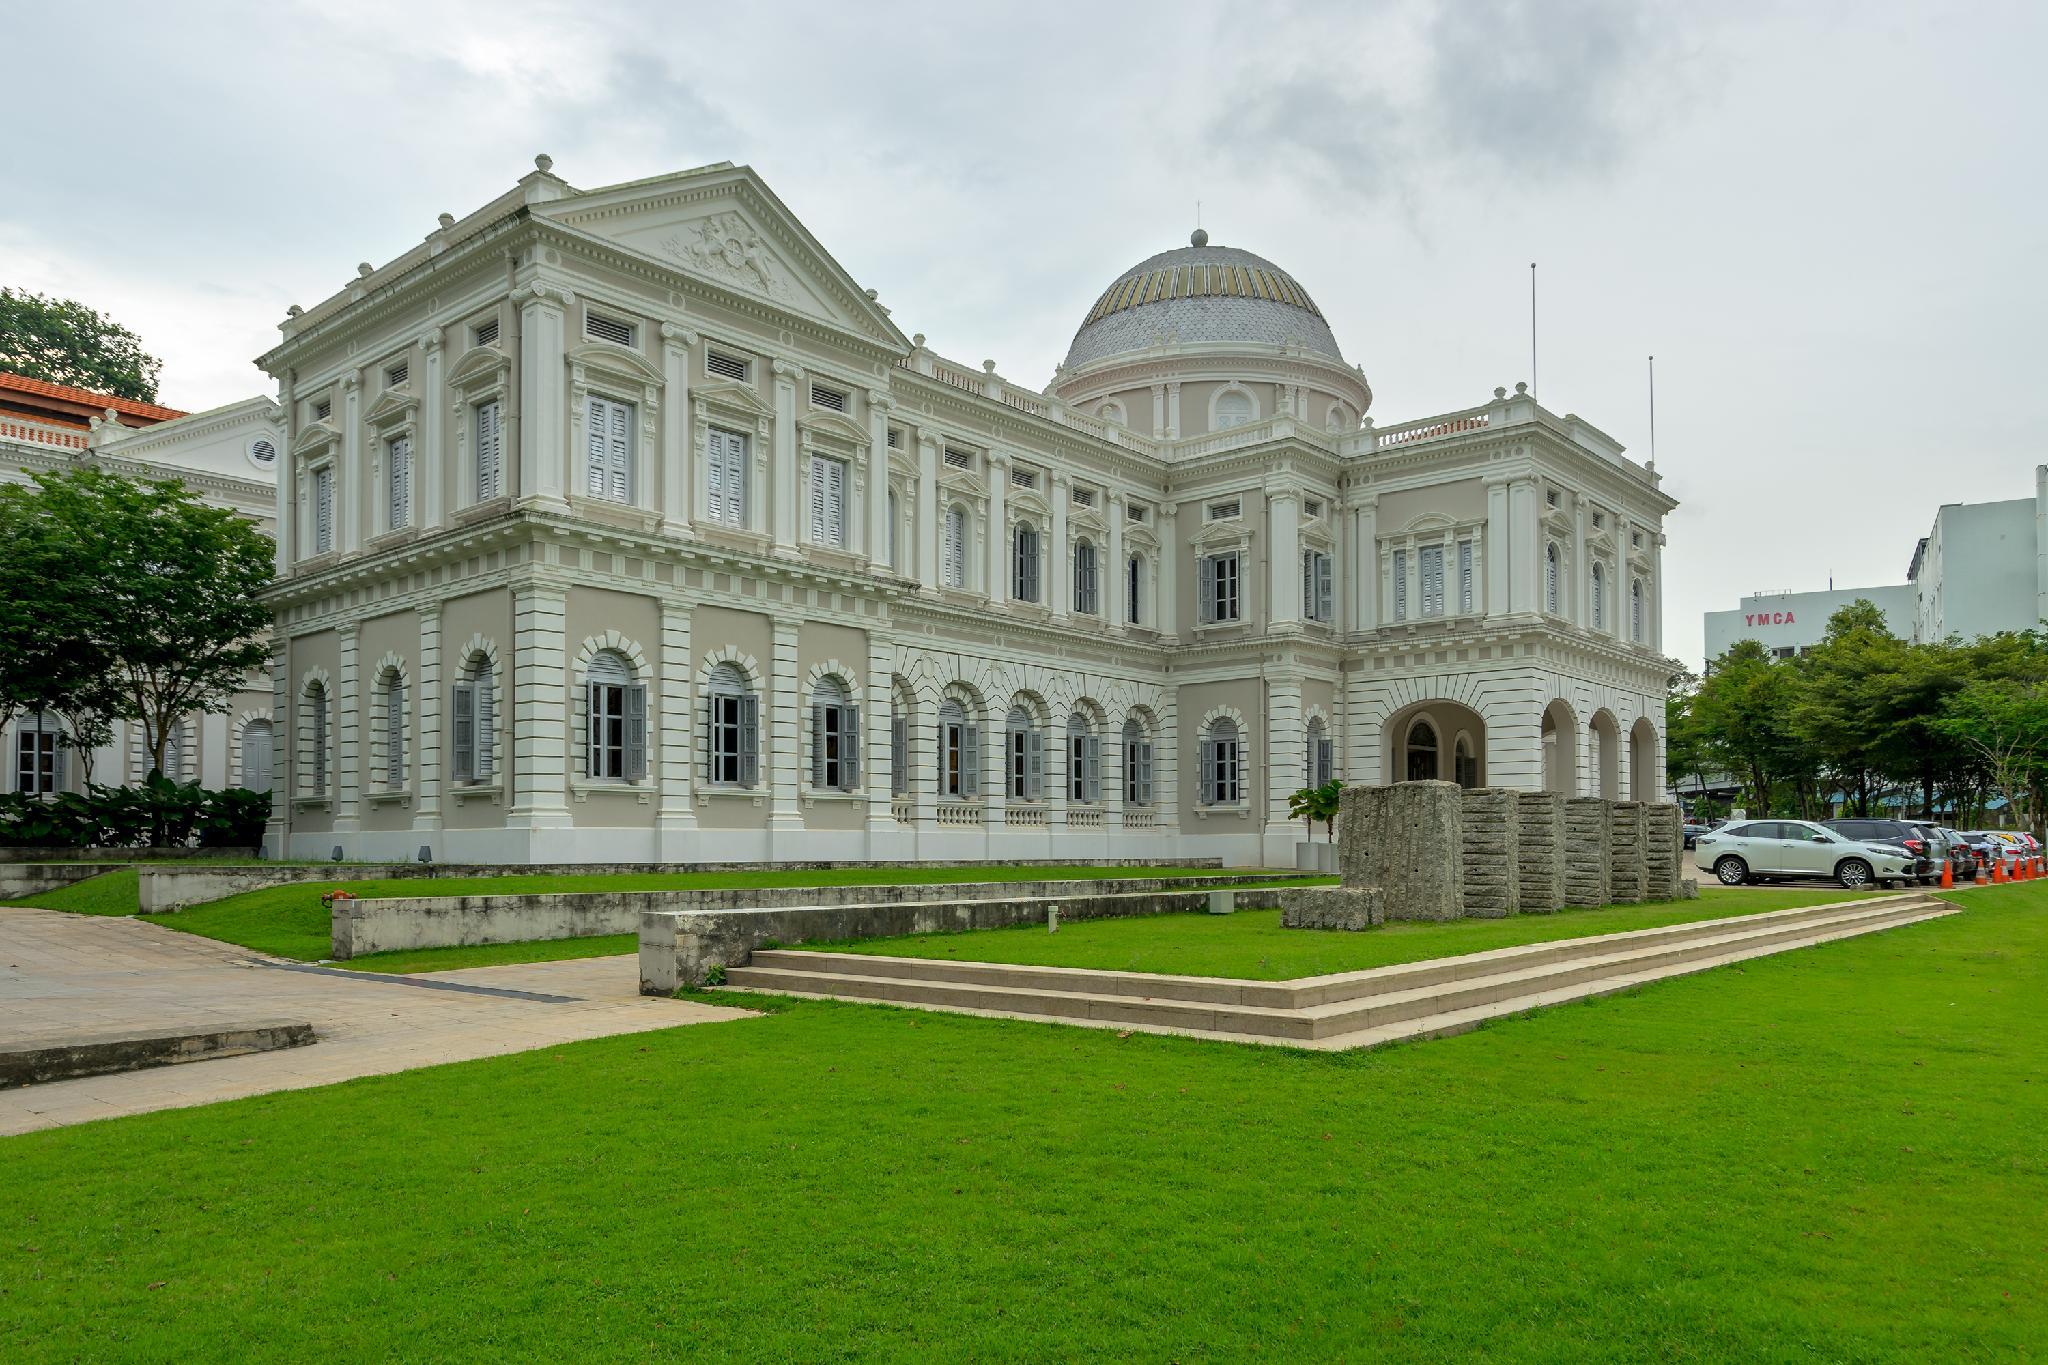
(62, 403)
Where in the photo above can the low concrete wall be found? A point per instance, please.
(175, 888)
(32, 879)
(384, 924)
(114, 857)
(678, 948)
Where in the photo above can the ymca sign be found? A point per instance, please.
(1767, 618)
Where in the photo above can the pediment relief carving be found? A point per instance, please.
(1229, 531)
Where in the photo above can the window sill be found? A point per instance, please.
(581, 789)
(1241, 810)
(464, 792)
(830, 795)
(313, 803)
(392, 796)
(753, 795)
(392, 539)
(481, 511)
(1216, 627)
(626, 515)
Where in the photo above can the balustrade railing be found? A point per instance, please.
(1026, 817)
(1084, 817)
(904, 808)
(42, 434)
(959, 813)
(1139, 817)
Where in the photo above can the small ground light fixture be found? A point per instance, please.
(337, 853)
(426, 853)
(1052, 919)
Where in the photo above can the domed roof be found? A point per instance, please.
(1200, 294)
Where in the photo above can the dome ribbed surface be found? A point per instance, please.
(1198, 295)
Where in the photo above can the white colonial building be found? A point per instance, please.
(228, 457)
(622, 524)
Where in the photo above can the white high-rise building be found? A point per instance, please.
(622, 524)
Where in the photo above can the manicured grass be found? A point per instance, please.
(110, 893)
(289, 921)
(1833, 1154)
(1251, 945)
(413, 960)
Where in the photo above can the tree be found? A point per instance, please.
(1848, 709)
(52, 654)
(165, 594)
(1745, 705)
(61, 341)
(1318, 803)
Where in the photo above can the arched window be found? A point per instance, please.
(1599, 597)
(835, 738)
(732, 729)
(1465, 763)
(615, 720)
(312, 719)
(955, 553)
(1234, 409)
(259, 756)
(1322, 756)
(1024, 574)
(1137, 764)
(390, 721)
(1222, 764)
(1026, 750)
(959, 753)
(1087, 579)
(899, 749)
(1635, 611)
(1084, 760)
(1550, 578)
(474, 709)
(1421, 751)
(38, 754)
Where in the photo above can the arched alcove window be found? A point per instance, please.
(959, 753)
(1026, 749)
(258, 756)
(1087, 579)
(1422, 751)
(1084, 760)
(1137, 764)
(474, 711)
(1222, 764)
(615, 714)
(1024, 572)
(1234, 409)
(732, 723)
(835, 737)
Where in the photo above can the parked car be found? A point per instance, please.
(2003, 844)
(1968, 856)
(1899, 834)
(1768, 850)
(1693, 831)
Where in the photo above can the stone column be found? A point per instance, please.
(430, 470)
(931, 514)
(1578, 601)
(353, 488)
(1285, 761)
(1492, 852)
(284, 746)
(538, 753)
(877, 490)
(998, 546)
(1158, 411)
(542, 410)
(1284, 604)
(678, 480)
(1627, 866)
(1059, 557)
(779, 734)
(1167, 589)
(1494, 547)
(1539, 850)
(1524, 560)
(348, 704)
(1653, 594)
(1173, 426)
(426, 817)
(1411, 564)
(1586, 851)
(677, 816)
(1116, 577)
(287, 532)
(1365, 557)
(785, 479)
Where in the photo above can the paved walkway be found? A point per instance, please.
(86, 973)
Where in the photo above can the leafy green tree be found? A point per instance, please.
(1847, 709)
(164, 592)
(52, 653)
(1318, 803)
(1744, 705)
(61, 341)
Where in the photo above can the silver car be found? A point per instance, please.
(1761, 850)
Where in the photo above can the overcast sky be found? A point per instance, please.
(1825, 220)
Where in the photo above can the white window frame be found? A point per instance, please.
(1222, 776)
(732, 731)
(610, 437)
(727, 456)
(39, 767)
(1024, 753)
(827, 481)
(1220, 588)
(1087, 578)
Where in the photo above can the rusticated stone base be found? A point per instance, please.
(1332, 907)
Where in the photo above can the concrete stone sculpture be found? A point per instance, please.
(1492, 853)
(1539, 852)
(1586, 851)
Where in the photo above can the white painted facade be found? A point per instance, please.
(731, 499)
(228, 456)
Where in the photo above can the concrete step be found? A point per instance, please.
(1355, 1009)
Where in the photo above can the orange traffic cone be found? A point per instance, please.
(1948, 874)
(1997, 871)
(1982, 877)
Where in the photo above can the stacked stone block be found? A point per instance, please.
(1585, 851)
(1491, 826)
(1627, 869)
(1663, 852)
(1331, 907)
(1409, 841)
(1539, 852)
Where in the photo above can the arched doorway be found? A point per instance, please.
(1606, 755)
(1560, 744)
(1643, 775)
(1435, 741)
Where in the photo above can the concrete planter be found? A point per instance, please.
(1313, 857)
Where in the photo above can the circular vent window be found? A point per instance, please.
(263, 451)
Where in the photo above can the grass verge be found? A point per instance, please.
(1251, 945)
(110, 893)
(1831, 1154)
(414, 960)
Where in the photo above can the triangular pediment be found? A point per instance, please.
(392, 405)
(721, 224)
(313, 436)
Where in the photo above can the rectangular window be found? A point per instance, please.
(323, 509)
(487, 333)
(956, 548)
(617, 731)
(1325, 761)
(1432, 570)
(720, 365)
(1400, 585)
(828, 502)
(474, 739)
(822, 397)
(1550, 497)
(1465, 577)
(1024, 584)
(732, 752)
(959, 459)
(1318, 591)
(1219, 595)
(323, 408)
(1082, 497)
(1138, 772)
(1027, 765)
(1135, 511)
(398, 478)
(1311, 508)
(899, 754)
(597, 327)
(1224, 511)
(959, 759)
(725, 475)
(1024, 478)
(397, 374)
(835, 747)
(1134, 574)
(1084, 768)
(895, 438)
(490, 450)
(1087, 590)
(39, 766)
(394, 735)
(608, 438)
(1599, 520)
(1222, 777)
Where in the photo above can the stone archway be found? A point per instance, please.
(1560, 745)
(1643, 773)
(1606, 755)
(1435, 741)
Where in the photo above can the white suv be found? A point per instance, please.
(1757, 850)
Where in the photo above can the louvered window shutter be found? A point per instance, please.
(1209, 791)
(622, 452)
(1400, 585)
(394, 735)
(1465, 577)
(462, 699)
(956, 549)
(899, 745)
(1092, 768)
(399, 477)
(323, 511)
(817, 501)
(750, 740)
(58, 757)
(708, 742)
(486, 726)
(714, 476)
(1034, 765)
(970, 760)
(835, 471)
(597, 439)
(1205, 596)
(593, 729)
(320, 745)
(1325, 589)
(735, 479)
(849, 747)
(818, 711)
(489, 451)
(636, 732)
(1145, 771)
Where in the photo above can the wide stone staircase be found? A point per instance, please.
(1347, 1010)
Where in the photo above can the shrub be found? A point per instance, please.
(158, 813)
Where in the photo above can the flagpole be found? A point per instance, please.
(1653, 412)
(1534, 390)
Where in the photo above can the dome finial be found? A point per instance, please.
(1199, 237)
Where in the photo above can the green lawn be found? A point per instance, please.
(1833, 1154)
(289, 921)
(411, 960)
(110, 893)
(1251, 945)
